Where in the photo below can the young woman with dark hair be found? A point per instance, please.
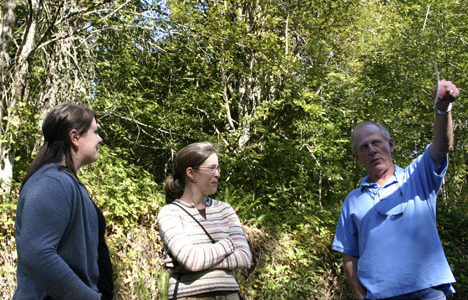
(59, 230)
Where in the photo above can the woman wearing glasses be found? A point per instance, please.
(204, 236)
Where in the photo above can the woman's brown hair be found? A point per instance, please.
(56, 127)
(192, 155)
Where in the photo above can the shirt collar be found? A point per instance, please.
(398, 175)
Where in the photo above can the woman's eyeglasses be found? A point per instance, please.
(212, 169)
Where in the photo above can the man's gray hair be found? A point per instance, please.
(382, 130)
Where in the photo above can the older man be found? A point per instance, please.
(387, 228)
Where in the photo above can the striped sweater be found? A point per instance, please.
(205, 267)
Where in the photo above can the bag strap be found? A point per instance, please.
(174, 296)
(211, 239)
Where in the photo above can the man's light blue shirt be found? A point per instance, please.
(393, 231)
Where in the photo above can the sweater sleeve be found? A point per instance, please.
(192, 256)
(44, 219)
(241, 258)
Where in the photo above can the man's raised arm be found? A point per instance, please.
(442, 141)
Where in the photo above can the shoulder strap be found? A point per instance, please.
(211, 239)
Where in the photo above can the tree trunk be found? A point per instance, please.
(6, 155)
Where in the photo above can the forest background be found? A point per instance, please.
(277, 85)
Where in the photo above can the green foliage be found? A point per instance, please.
(127, 193)
(453, 224)
(163, 285)
(292, 263)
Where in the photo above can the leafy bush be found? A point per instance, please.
(127, 194)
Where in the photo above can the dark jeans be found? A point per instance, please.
(214, 296)
(432, 293)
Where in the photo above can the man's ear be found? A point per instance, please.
(356, 158)
(74, 137)
(391, 144)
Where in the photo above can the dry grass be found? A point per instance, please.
(137, 259)
(7, 267)
(276, 254)
(7, 248)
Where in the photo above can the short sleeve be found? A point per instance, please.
(346, 236)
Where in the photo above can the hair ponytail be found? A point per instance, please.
(174, 189)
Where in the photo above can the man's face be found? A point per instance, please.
(374, 152)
